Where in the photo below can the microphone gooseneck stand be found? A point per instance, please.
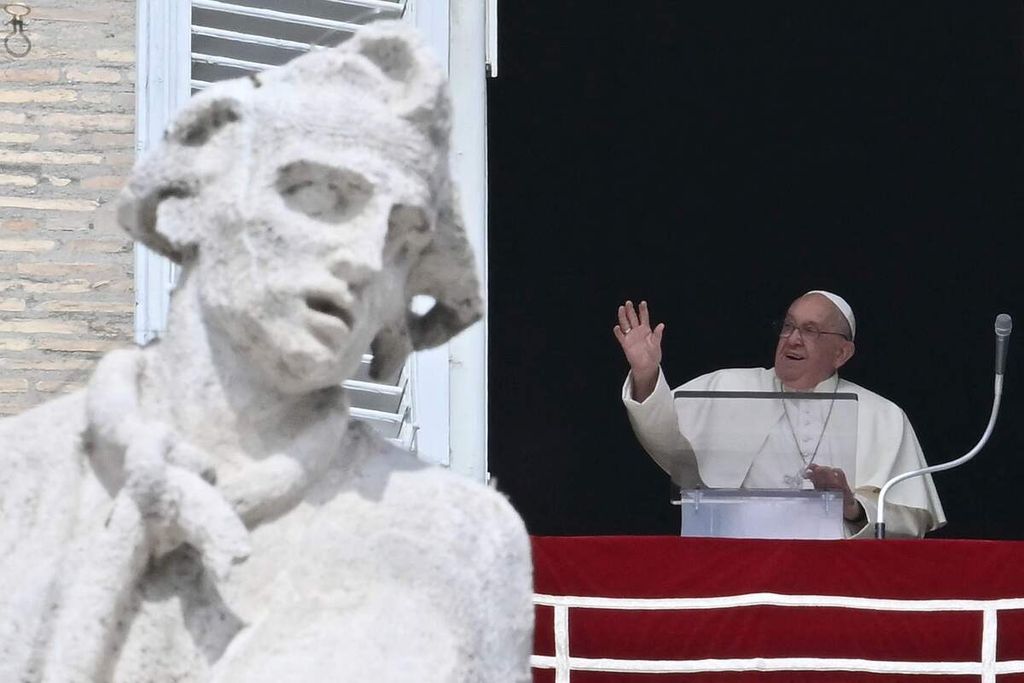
(1004, 324)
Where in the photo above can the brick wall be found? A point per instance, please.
(66, 145)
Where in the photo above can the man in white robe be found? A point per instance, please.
(780, 441)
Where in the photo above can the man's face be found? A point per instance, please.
(302, 270)
(802, 362)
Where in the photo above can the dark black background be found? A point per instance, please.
(719, 159)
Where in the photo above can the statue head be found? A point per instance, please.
(307, 205)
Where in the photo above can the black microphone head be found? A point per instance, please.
(1004, 324)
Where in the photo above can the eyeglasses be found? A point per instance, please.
(809, 331)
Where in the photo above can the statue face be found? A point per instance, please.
(312, 233)
(307, 205)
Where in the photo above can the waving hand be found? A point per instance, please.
(642, 346)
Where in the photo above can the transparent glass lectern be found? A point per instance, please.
(760, 437)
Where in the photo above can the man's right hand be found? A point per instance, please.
(642, 347)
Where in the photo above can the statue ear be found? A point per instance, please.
(156, 206)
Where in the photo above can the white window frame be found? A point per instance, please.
(163, 72)
(449, 383)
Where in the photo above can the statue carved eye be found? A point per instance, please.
(325, 193)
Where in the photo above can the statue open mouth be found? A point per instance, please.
(325, 306)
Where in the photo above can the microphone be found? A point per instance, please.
(1004, 324)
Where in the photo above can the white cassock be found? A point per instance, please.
(773, 443)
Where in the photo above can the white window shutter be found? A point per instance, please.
(235, 38)
(386, 406)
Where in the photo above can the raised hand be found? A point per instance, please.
(642, 346)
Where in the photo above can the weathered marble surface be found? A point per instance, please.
(205, 510)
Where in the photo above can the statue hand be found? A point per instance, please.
(179, 506)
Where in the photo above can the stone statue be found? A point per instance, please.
(206, 510)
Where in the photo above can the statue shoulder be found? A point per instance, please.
(403, 482)
(440, 564)
(455, 501)
(55, 427)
